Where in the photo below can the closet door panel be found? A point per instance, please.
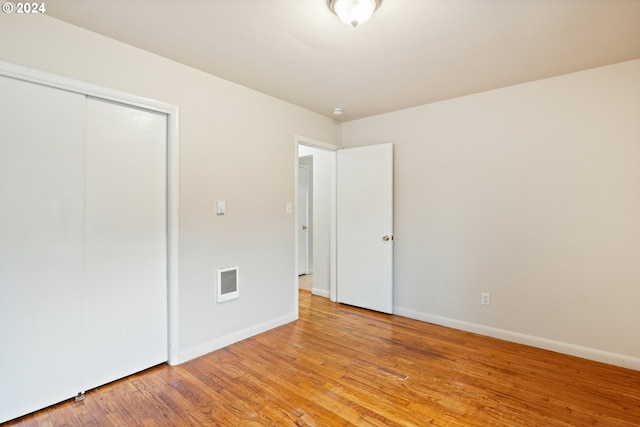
(41, 243)
(126, 241)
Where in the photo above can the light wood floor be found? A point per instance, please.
(340, 366)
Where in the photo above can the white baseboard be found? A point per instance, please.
(320, 292)
(557, 346)
(533, 341)
(234, 337)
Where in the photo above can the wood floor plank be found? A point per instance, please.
(343, 366)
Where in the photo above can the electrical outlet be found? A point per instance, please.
(485, 298)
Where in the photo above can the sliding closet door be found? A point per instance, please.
(126, 241)
(41, 240)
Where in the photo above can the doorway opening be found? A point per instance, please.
(360, 259)
(315, 228)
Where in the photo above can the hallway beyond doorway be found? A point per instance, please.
(305, 281)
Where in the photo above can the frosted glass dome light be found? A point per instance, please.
(354, 12)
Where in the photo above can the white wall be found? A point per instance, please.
(531, 193)
(220, 122)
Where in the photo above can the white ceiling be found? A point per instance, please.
(412, 52)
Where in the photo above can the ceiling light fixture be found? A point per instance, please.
(354, 12)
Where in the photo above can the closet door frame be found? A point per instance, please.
(88, 89)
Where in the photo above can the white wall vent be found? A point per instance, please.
(227, 283)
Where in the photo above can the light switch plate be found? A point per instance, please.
(221, 207)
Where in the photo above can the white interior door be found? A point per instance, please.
(365, 227)
(41, 246)
(126, 241)
(303, 219)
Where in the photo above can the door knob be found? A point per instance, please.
(304, 227)
(386, 237)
